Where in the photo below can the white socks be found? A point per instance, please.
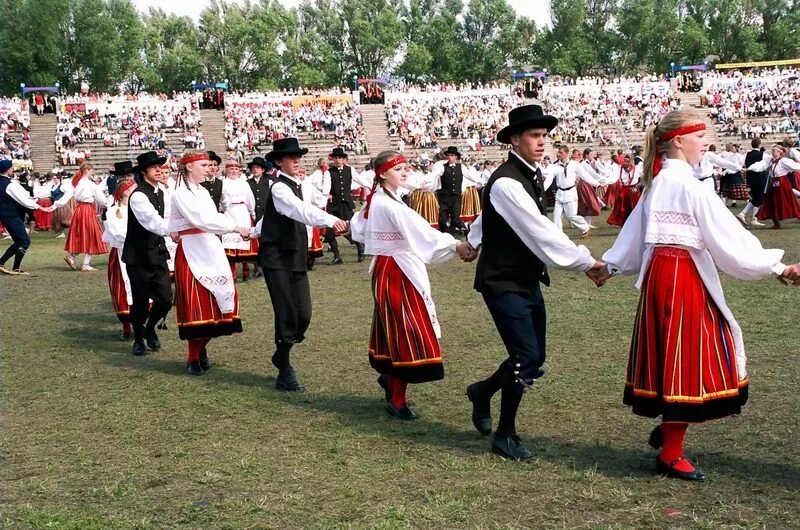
(87, 259)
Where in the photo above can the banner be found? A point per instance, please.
(624, 89)
(437, 95)
(299, 101)
(757, 64)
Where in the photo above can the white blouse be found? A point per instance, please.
(85, 191)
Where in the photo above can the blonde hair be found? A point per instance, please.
(653, 148)
(382, 158)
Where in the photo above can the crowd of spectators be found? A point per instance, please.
(424, 123)
(252, 126)
(15, 139)
(736, 101)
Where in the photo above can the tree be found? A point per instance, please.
(374, 32)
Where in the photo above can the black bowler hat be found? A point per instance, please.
(260, 162)
(524, 118)
(452, 150)
(213, 156)
(150, 158)
(338, 152)
(285, 147)
(123, 168)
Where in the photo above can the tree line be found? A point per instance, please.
(324, 43)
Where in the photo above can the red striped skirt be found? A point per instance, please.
(682, 362)
(623, 206)
(612, 194)
(196, 308)
(116, 284)
(470, 205)
(44, 220)
(426, 204)
(315, 249)
(236, 255)
(85, 235)
(588, 203)
(62, 217)
(779, 201)
(733, 187)
(402, 342)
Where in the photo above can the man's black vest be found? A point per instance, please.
(753, 157)
(214, 188)
(8, 206)
(341, 181)
(506, 265)
(259, 190)
(283, 244)
(451, 180)
(142, 247)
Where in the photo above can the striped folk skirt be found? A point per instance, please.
(588, 203)
(403, 343)
(733, 187)
(470, 205)
(44, 220)
(85, 235)
(62, 217)
(196, 308)
(426, 204)
(779, 202)
(315, 248)
(116, 284)
(624, 204)
(682, 363)
(612, 194)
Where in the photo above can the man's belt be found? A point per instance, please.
(567, 189)
(701, 179)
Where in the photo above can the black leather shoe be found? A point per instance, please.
(138, 349)
(194, 368)
(152, 341)
(336, 261)
(205, 362)
(481, 415)
(360, 248)
(125, 335)
(384, 384)
(656, 439)
(510, 447)
(360, 257)
(403, 413)
(289, 383)
(670, 471)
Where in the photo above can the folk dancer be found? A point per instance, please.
(14, 202)
(450, 179)
(628, 175)
(239, 204)
(404, 346)
(780, 201)
(340, 203)
(213, 184)
(687, 357)
(756, 184)
(115, 229)
(259, 182)
(518, 242)
(564, 173)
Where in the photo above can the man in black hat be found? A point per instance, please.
(212, 183)
(283, 253)
(259, 182)
(518, 243)
(340, 200)
(451, 176)
(145, 253)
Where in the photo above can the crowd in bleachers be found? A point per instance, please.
(780, 97)
(15, 140)
(252, 125)
(474, 118)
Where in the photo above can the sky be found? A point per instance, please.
(538, 10)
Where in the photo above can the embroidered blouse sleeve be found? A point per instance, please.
(429, 244)
(625, 255)
(201, 213)
(735, 250)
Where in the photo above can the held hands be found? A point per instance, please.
(341, 227)
(243, 231)
(791, 275)
(598, 273)
(466, 252)
(175, 236)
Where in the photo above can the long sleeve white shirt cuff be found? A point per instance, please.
(290, 205)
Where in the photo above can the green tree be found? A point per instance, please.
(171, 51)
(374, 33)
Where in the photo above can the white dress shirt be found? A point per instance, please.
(290, 205)
(146, 213)
(21, 195)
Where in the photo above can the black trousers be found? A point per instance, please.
(290, 294)
(343, 211)
(449, 212)
(757, 183)
(20, 241)
(150, 282)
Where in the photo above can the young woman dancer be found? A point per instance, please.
(116, 228)
(84, 236)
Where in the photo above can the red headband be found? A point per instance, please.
(122, 187)
(389, 164)
(669, 135)
(188, 159)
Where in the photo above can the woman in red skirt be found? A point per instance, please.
(116, 228)
(207, 303)
(627, 175)
(84, 236)
(239, 204)
(687, 358)
(404, 344)
(780, 201)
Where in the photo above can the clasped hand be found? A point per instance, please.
(466, 252)
(791, 275)
(599, 273)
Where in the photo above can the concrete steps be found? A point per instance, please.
(43, 146)
(376, 128)
(214, 131)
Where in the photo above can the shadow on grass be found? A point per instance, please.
(365, 414)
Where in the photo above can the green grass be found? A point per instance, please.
(95, 438)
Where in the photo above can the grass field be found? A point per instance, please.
(95, 438)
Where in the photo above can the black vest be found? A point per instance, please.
(753, 157)
(214, 188)
(506, 265)
(451, 180)
(259, 190)
(283, 244)
(341, 181)
(8, 206)
(142, 247)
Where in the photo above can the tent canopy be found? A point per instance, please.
(28, 89)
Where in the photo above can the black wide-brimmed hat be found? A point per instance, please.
(214, 156)
(123, 168)
(338, 152)
(260, 162)
(452, 150)
(150, 158)
(285, 147)
(524, 118)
